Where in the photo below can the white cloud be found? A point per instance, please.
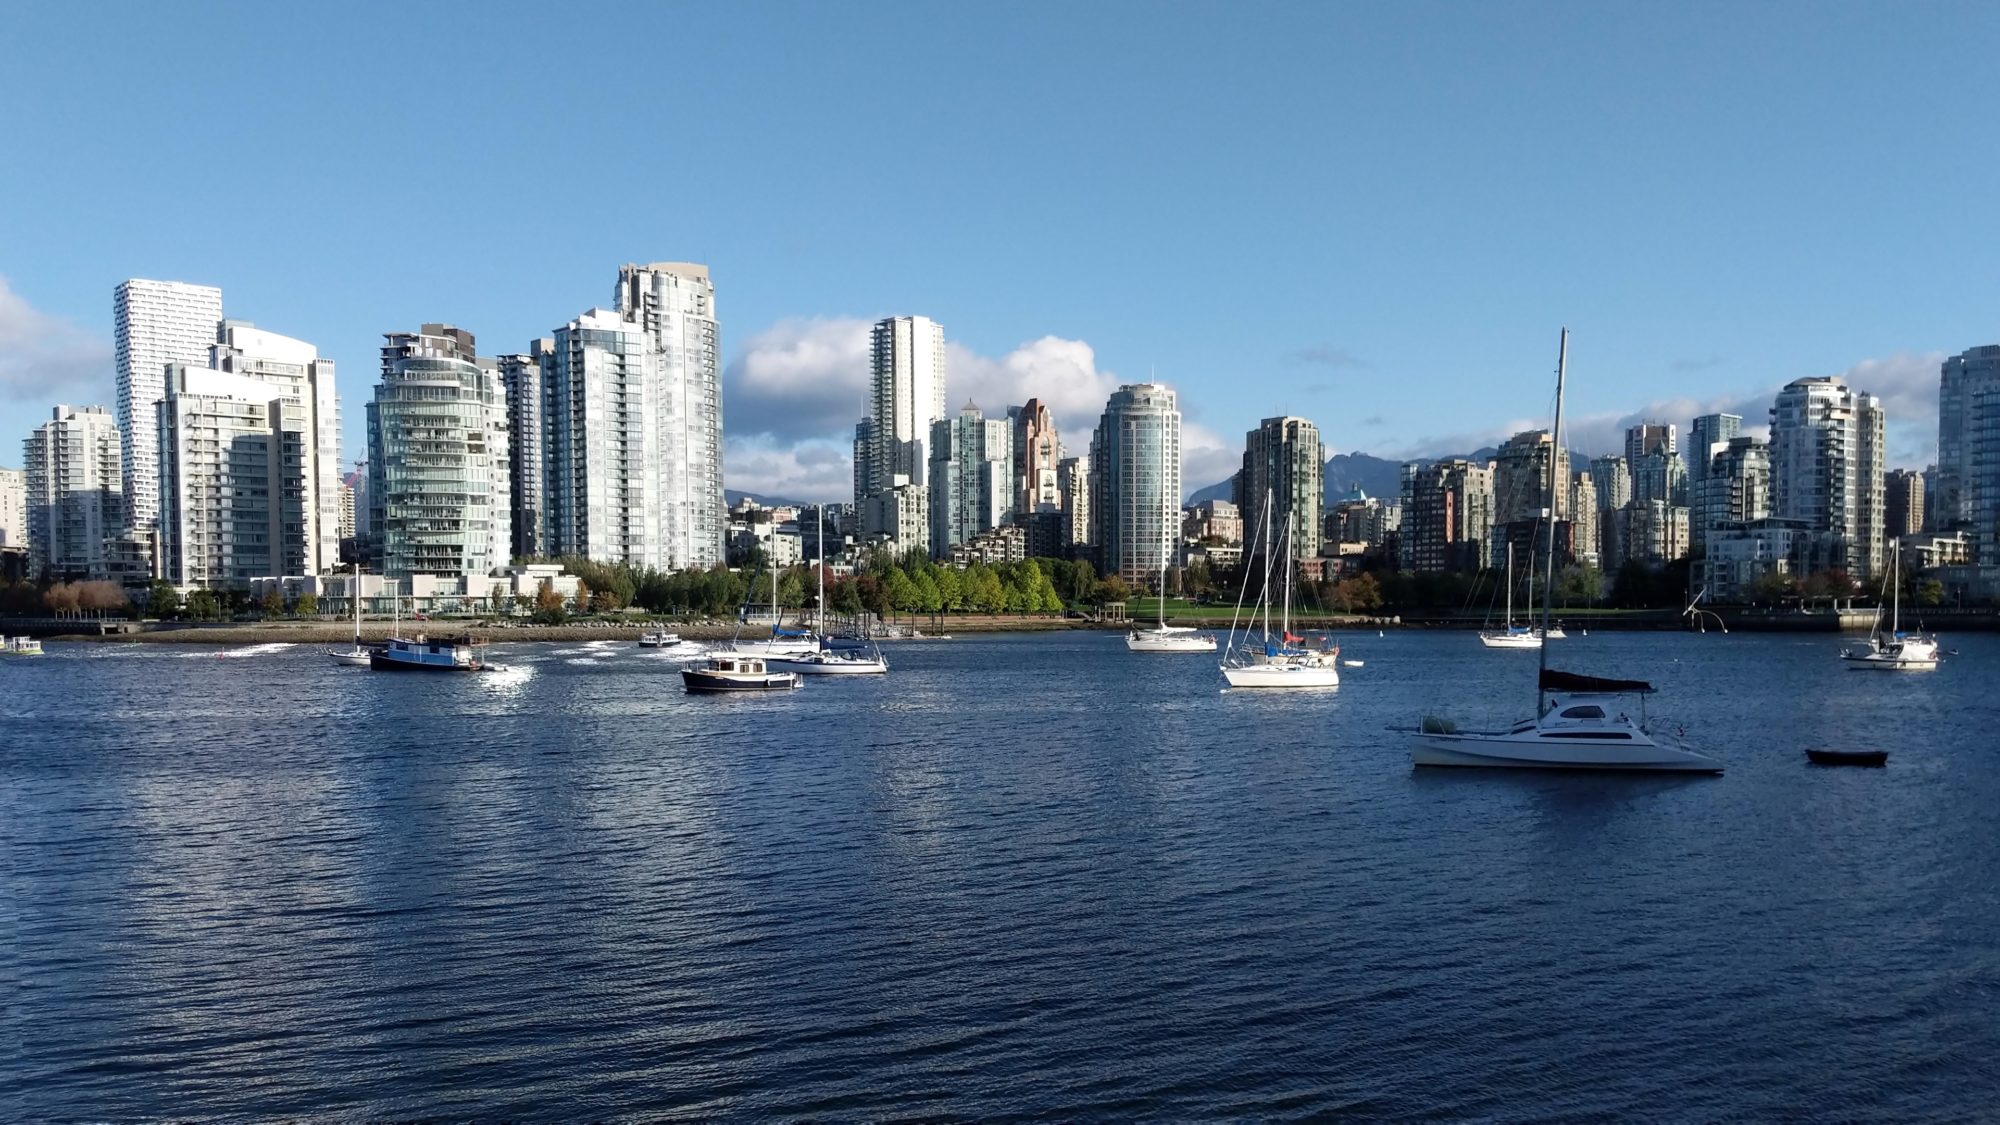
(45, 359)
(800, 378)
(1907, 384)
(808, 471)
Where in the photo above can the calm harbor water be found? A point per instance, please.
(1024, 875)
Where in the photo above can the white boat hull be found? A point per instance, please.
(1510, 640)
(837, 666)
(1170, 642)
(1280, 676)
(1502, 751)
(1890, 663)
(359, 658)
(775, 648)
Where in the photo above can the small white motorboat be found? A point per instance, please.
(20, 646)
(659, 638)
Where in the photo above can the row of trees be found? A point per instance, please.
(63, 599)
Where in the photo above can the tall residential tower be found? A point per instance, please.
(155, 323)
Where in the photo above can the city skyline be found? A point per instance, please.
(1718, 207)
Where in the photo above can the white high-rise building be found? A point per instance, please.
(972, 483)
(75, 486)
(238, 496)
(156, 323)
(905, 399)
(13, 508)
(1135, 481)
(604, 452)
(437, 459)
(1826, 468)
(673, 303)
(295, 370)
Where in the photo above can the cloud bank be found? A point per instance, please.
(45, 359)
(1907, 384)
(792, 399)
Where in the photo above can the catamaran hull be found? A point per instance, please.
(1281, 676)
(1571, 754)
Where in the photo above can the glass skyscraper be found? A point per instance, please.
(1135, 481)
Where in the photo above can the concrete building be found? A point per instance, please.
(155, 324)
(1217, 521)
(236, 481)
(346, 510)
(1282, 460)
(75, 492)
(1522, 496)
(906, 382)
(1653, 532)
(1827, 470)
(14, 508)
(1739, 555)
(603, 451)
(1038, 451)
(1652, 453)
(1710, 435)
(1586, 520)
(673, 305)
(294, 369)
(1903, 503)
(898, 519)
(1734, 489)
(1968, 470)
(1135, 482)
(973, 481)
(520, 377)
(1073, 482)
(1447, 516)
(437, 459)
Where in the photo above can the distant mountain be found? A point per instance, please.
(1344, 471)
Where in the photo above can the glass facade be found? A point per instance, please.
(1135, 489)
(438, 465)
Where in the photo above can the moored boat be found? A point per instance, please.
(1848, 757)
(1893, 650)
(658, 638)
(734, 671)
(425, 654)
(20, 646)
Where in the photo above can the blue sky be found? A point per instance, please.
(1376, 216)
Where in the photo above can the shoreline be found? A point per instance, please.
(333, 632)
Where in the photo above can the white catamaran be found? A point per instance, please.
(1577, 724)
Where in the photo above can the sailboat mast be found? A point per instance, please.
(819, 565)
(1509, 623)
(1549, 569)
(1267, 566)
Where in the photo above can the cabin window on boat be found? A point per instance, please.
(1585, 712)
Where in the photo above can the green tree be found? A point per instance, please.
(306, 606)
(1929, 591)
(1772, 587)
(162, 600)
(951, 588)
(903, 596)
(202, 605)
(846, 596)
(273, 603)
(1112, 589)
(929, 598)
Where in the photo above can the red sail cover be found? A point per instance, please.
(1553, 680)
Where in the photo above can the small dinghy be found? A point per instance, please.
(1848, 757)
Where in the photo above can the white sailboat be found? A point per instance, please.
(783, 641)
(1509, 635)
(1895, 651)
(1281, 663)
(1576, 723)
(358, 656)
(1164, 637)
(826, 660)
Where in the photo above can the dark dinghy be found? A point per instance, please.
(1848, 757)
